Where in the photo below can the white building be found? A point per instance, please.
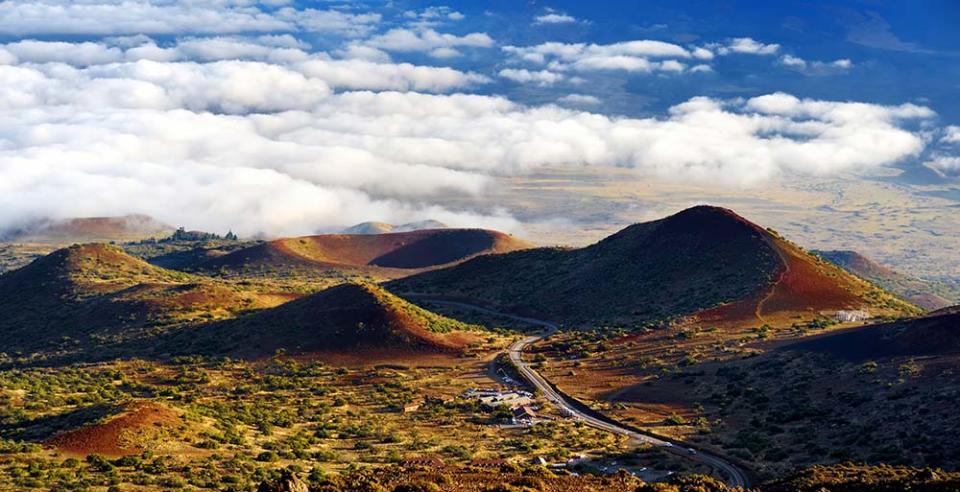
(852, 316)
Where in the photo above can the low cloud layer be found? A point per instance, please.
(221, 115)
(261, 147)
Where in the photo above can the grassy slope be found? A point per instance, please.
(85, 292)
(876, 394)
(348, 316)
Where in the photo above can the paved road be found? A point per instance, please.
(732, 474)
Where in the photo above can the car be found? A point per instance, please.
(691, 451)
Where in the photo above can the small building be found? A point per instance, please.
(523, 414)
(852, 316)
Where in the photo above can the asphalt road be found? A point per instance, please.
(731, 473)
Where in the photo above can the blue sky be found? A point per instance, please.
(901, 51)
(314, 115)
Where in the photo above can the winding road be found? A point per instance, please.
(732, 474)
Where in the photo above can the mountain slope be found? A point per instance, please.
(386, 255)
(384, 228)
(372, 227)
(349, 316)
(88, 229)
(937, 333)
(703, 259)
(83, 293)
(926, 294)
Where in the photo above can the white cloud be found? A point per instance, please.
(432, 16)
(554, 18)
(105, 17)
(614, 62)
(747, 46)
(672, 66)
(220, 48)
(443, 53)
(540, 77)
(330, 21)
(7, 58)
(279, 49)
(254, 132)
(261, 147)
(815, 67)
(362, 52)
(572, 52)
(702, 53)
(951, 134)
(842, 63)
(31, 51)
(406, 40)
(631, 56)
(945, 164)
(579, 100)
(792, 61)
(363, 74)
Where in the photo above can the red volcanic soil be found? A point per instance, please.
(122, 434)
(403, 250)
(802, 284)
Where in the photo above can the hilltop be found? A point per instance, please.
(80, 271)
(374, 227)
(126, 430)
(705, 260)
(378, 255)
(87, 229)
(924, 293)
(86, 292)
(350, 316)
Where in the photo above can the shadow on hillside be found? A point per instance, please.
(42, 428)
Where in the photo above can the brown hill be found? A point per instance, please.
(924, 293)
(387, 255)
(704, 260)
(130, 430)
(88, 229)
(352, 316)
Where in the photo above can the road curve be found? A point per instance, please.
(733, 475)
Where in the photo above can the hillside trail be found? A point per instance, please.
(773, 287)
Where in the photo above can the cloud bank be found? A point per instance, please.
(271, 148)
(221, 115)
